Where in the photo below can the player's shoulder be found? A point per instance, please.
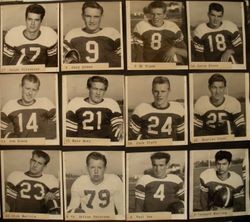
(73, 33)
(112, 178)
(75, 103)
(110, 32)
(50, 180)
(236, 178)
(80, 181)
(177, 107)
(14, 34)
(144, 180)
(208, 174)
(232, 104)
(48, 35)
(201, 29)
(143, 26)
(110, 102)
(15, 177)
(231, 99)
(229, 26)
(171, 26)
(173, 178)
(202, 101)
(142, 108)
(10, 106)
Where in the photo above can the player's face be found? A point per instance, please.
(92, 19)
(37, 165)
(96, 170)
(96, 92)
(157, 16)
(29, 91)
(215, 18)
(160, 93)
(222, 166)
(217, 90)
(33, 22)
(159, 167)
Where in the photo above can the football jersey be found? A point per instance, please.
(26, 194)
(158, 193)
(19, 50)
(99, 47)
(210, 44)
(226, 118)
(148, 122)
(210, 183)
(103, 198)
(27, 121)
(93, 120)
(156, 41)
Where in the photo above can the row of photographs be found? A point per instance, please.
(94, 185)
(104, 110)
(159, 34)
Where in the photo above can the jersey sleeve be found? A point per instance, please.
(118, 195)
(239, 196)
(75, 199)
(140, 195)
(137, 44)
(197, 44)
(52, 50)
(71, 120)
(203, 192)
(198, 119)
(135, 126)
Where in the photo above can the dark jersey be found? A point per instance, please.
(100, 47)
(156, 41)
(156, 194)
(25, 194)
(209, 44)
(226, 118)
(18, 50)
(93, 120)
(36, 120)
(148, 122)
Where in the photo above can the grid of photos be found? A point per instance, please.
(125, 110)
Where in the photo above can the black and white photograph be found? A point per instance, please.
(156, 110)
(30, 38)
(217, 187)
(217, 35)
(91, 36)
(31, 184)
(156, 185)
(29, 111)
(156, 35)
(93, 110)
(218, 111)
(94, 185)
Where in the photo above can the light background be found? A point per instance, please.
(139, 89)
(72, 17)
(9, 21)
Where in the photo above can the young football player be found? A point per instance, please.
(33, 43)
(218, 114)
(160, 119)
(29, 117)
(159, 190)
(97, 192)
(33, 191)
(218, 40)
(157, 39)
(92, 43)
(221, 188)
(94, 116)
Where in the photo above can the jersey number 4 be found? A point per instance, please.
(103, 197)
(31, 123)
(155, 123)
(159, 193)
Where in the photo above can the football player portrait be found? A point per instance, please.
(99, 188)
(218, 39)
(157, 37)
(32, 191)
(94, 115)
(93, 43)
(219, 113)
(29, 116)
(160, 119)
(32, 43)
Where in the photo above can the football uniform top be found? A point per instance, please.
(210, 183)
(156, 194)
(25, 194)
(27, 121)
(149, 122)
(19, 50)
(99, 47)
(156, 41)
(226, 118)
(103, 198)
(93, 120)
(209, 44)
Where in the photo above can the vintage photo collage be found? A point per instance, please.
(124, 110)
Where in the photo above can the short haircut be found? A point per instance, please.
(217, 78)
(31, 78)
(35, 8)
(42, 154)
(216, 7)
(96, 156)
(161, 80)
(222, 154)
(160, 155)
(157, 4)
(91, 4)
(97, 79)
